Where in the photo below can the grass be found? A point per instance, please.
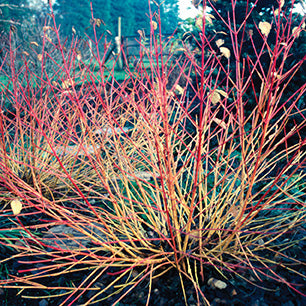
(142, 177)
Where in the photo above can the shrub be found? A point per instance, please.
(126, 182)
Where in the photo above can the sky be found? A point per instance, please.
(187, 10)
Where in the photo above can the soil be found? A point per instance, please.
(166, 290)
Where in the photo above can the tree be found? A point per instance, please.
(134, 15)
(251, 17)
(73, 17)
(12, 13)
(169, 14)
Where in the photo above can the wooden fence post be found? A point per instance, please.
(118, 44)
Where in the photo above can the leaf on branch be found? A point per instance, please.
(215, 97)
(179, 89)
(47, 28)
(48, 38)
(220, 32)
(39, 57)
(296, 31)
(265, 27)
(68, 83)
(220, 123)
(154, 25)
(34, 43)
(98, 22)
(281, 4)
(219, 42)
(208, 18)
(225, 52)
(222, 93)
(16, 206)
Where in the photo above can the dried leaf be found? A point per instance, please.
(143, 175)
(219, 42)
(222, 93)
(265, 27)
(73, 30)
(141, 33)
(34, 43)
(225, 52)
(46, 28)
(25, 53)
(154, 25)
(209, 18)
(282, 2)
(66, 84)
(179, 89)
(98, 22)
(39, 57)
(296, 31)
(16, 206)
(220, 123)
(216, 283)
(48, 38)
(13, 28)
(199, 23)
(215, 97)
(220, 32)
(277, 76)
(79, 57)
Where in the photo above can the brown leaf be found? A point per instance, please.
(98, 22)
(199, 23)
(179, 89)
(265, 27)
(219, 42)
(220, 32)
(34, 43)
(220, 123)
(222, 93)
(66, 84)
(154, 25)
(296, 31)
(250, 33)
(215, 97)
(216, 283)
(46, 28)
(39, 57)
(225, 52)
(16, 206)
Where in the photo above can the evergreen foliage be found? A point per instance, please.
(134, 15)
(12, 14)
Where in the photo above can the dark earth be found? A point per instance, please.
(166, 290)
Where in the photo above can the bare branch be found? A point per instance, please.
(10, 21)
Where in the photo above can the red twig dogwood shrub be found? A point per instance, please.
(135, 178)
